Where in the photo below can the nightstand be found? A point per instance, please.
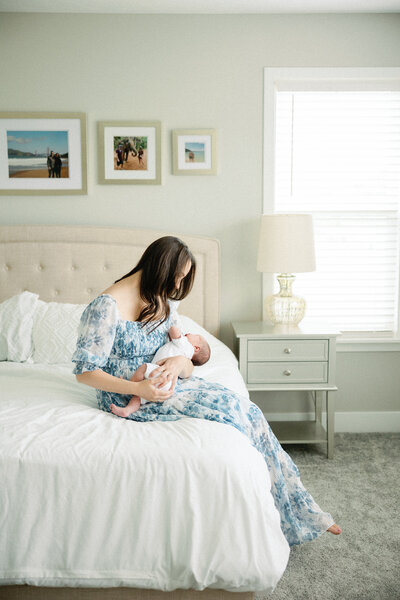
(291, 358)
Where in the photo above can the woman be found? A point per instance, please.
(57, 165)
(124, 327)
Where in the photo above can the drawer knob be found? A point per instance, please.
(287, 372)
(287, 350)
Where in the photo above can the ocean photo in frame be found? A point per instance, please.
(42, 153)
(194, 152)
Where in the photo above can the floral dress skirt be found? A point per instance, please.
(119, 347)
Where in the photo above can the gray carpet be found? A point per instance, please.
(360, 487)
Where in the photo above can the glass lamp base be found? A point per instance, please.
(284, 307)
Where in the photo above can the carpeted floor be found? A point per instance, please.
(360, 487)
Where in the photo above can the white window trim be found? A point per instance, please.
(321, 78)
(368, 344)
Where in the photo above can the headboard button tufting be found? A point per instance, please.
(79, 261)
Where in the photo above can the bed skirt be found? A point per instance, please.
(28, 592)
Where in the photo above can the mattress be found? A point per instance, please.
(89, 499)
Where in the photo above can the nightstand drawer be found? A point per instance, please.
(310, 350)
(287, 372)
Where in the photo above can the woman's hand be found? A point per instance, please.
(173, 367)
(149, 389)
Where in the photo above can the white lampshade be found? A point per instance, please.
(286, 244)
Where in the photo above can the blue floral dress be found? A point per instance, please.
(119, 347)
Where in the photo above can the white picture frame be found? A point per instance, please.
(26, 143)
(139, 147)
(194, 152)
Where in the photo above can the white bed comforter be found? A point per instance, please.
(89, 499)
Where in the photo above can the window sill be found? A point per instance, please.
(368, 342)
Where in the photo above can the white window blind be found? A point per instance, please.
(337, 156)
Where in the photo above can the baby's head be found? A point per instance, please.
(202, 350)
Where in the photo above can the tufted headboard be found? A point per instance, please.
(75, 264)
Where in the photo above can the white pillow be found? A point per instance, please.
(16, 320)
(55, 331)
(222, 367)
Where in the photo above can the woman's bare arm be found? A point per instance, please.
(108, 383)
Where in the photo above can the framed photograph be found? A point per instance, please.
(42, 153)
(194, 152)
(130, 152)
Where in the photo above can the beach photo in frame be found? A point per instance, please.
(42, 153)
(130, 152)
(194, 152)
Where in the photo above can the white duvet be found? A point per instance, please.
(89, 499)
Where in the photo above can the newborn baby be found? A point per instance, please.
(191, 345)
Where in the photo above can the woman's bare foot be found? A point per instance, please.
(125, 411)
(335, 529)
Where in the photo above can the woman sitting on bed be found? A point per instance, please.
(125, 326)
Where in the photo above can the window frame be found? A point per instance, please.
(322, 79)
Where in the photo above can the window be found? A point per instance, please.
(335, 153)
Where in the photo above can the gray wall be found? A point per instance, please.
(189, 72)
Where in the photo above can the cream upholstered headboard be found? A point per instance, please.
(75, 264)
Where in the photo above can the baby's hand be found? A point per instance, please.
(174, 332)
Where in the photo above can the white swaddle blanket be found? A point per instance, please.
(175, 347)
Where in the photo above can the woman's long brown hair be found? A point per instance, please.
(160, 264)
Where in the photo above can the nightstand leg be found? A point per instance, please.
(318, 406)
(330, 422)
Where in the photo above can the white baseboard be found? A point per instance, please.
(349, 422)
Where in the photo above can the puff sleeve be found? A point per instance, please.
(96, 334)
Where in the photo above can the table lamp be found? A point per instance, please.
(286, 246)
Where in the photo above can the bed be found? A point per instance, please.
(94, 506)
